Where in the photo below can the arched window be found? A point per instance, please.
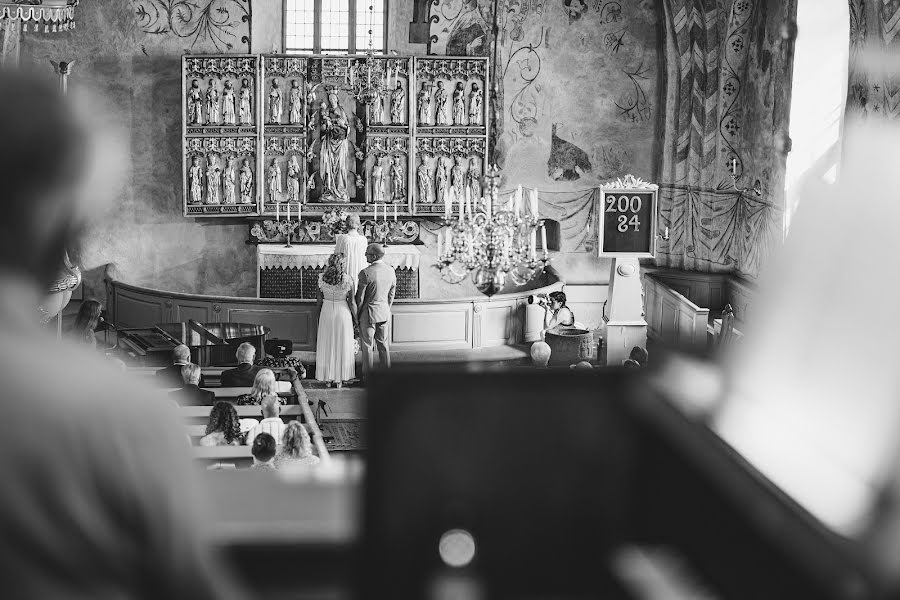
(334, 26)
(818, 95)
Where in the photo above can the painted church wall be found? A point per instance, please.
(579, 108)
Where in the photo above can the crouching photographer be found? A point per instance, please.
(556, 313)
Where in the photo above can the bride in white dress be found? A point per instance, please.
(335, 362)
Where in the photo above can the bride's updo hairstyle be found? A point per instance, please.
(334, 272)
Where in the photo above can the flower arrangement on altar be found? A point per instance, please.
(336, 220)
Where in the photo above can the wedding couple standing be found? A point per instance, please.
(351, 298)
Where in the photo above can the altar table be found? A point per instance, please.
(293, 272)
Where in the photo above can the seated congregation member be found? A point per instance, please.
(111, 507)
(245, 373)
(190, 393)
(264, 386)
(223, 428)
(263, 451)
(296, 448)
(171, 376)
(82, 330)
(271, 423)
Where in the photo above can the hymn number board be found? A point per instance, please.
(628, 218)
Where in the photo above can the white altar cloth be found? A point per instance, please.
(273, 256)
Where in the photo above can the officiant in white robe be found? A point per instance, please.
(353, 246)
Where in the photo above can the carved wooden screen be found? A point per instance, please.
(318, 146)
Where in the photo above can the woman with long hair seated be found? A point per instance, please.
(264, 384)
(296, 448)
(223, 428)
(82, 330)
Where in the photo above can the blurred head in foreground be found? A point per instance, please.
(540, 354)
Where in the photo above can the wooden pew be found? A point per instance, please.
(196, 415)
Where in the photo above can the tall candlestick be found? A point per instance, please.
(289, 213)
(544, 239)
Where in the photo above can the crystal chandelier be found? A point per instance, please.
(492, 243)
(366, 80)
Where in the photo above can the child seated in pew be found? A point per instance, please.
(223, 427)
(263, 452)
(296, 448)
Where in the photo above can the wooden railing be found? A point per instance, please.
(672, 318)
(312, 425)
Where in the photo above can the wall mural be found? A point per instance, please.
(731, 74)
(874, 89)
(222, 25)
(559, 130)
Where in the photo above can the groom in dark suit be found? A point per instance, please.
(374, 297)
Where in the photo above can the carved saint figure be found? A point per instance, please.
(443, 179)
(212, 103)
(376, 111)
(458, 177)
(228, 178)
(397, 104)
(228, 104)
(476, 96)
(195, 104)
(274, 180)
(334, 151)
(275, 103)
(246, 112)
(196, 181)
(473, 177)
(295, 104)
(426, 183)
(423, 105)
(459, 105)
(246, 183)
(442, 115)
(293, 174)
(377, 181)
(213, 181)
(398, 186)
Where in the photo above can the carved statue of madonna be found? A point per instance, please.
(246, 183)
(476, 97)
(426, 183)
(397, 104)
(228, 178)
(442, 114)
(398, 180)
(195, 179)
(443, 179)
(378, 182)
(295, 106)
(213, 181)
(294, 173)
(246, 112)
(473, 177)
(334, 151)
(274, 181)
(195, 104)
(228, 116)
(212, 103)
(459, 105)
(423, 105)
(458, 178)
(275, 103)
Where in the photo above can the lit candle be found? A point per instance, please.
(299, 213)
(448, 204)
(734, 166)
(488, 205)
(289, 212)
(533, 242)
(535, 204)
(375, 213)
(350, 69)
(439, 245)
(395, 212)
(517, 199)
(462, 205)
(544, 239)
(277, 211)
(385, 213)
